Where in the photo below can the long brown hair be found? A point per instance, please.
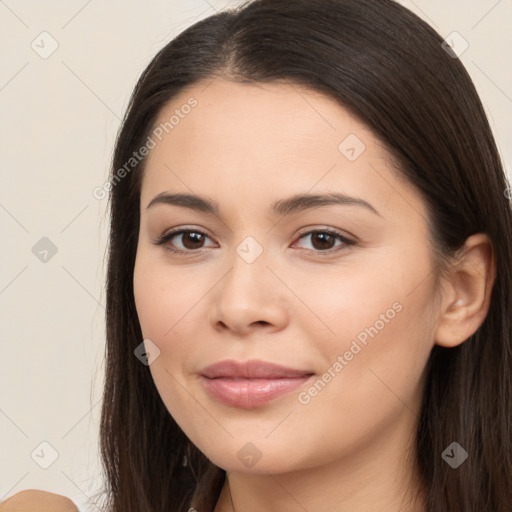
(390, 69)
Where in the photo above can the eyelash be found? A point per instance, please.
(163, 239)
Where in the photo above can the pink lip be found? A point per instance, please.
(252, 383)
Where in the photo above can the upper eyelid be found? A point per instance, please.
(185, 229)
(303, 231)
(335, 231)
(347, 239)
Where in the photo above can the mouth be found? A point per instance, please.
(252, 383)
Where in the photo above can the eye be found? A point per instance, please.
(191, 240)
(322, 240)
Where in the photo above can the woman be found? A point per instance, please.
(308, 296)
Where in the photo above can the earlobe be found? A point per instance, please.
(470, 285)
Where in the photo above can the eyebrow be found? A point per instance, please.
(282, 207)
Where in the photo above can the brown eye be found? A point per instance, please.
(325, 240)
(183, 240)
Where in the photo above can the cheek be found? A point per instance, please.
(344, 302)
(373, 365)
(373, 328)
(164, 298)
(166, 302)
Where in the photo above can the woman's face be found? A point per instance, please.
(268, 278)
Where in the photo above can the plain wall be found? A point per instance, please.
(59, 118)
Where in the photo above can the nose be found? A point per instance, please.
(249, 298)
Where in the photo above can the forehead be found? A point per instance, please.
(280, 136)
(273, 116)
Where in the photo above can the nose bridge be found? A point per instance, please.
(248, 268)
(246, 294)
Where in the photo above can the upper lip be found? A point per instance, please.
(253, 369)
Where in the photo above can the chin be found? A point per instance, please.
(248, 458)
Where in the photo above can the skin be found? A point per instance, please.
(35, 500)
(350, 447)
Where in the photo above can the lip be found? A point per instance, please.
(251, 383)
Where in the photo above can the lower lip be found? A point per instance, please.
(250, 393)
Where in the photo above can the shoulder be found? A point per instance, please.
(35, 500)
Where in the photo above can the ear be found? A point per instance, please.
(467, 292)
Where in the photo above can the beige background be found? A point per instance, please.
(59, 118)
